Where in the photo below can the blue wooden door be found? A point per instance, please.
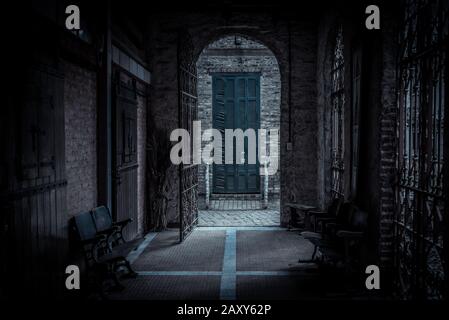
(236, 105)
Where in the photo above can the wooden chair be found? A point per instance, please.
(340, 236)
(295, 217)
(314, 217)
(336, 213)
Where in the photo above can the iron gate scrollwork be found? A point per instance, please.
(188, 111)
(419, 257)
(337, 116)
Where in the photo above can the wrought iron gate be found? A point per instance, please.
(422, 99)
(337, 116)
(188, 111)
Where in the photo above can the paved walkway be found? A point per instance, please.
(228, 263)
(219, 218)
(236, 204)
(235, 213)
(220, 264)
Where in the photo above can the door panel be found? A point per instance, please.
(236, 105)
(125, 154)
(34, 226)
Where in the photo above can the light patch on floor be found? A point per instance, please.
(235, 218)
(201, 251)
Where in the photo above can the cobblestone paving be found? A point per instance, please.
(235, 204)
(234, 218)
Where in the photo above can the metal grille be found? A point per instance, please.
(422, 62)
(188, 112)
(337, 116)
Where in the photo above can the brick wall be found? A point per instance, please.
(80, 138)
(141, 160)
(223, 56)
(163, 91)
(81, 142)
(323, 116)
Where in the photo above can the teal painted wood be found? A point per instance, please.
(236, 105)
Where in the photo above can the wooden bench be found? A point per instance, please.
(103, 254)
(113, 230)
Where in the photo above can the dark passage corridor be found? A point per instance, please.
(225, 150)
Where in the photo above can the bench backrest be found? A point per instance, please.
(102, 218)
(85, 226)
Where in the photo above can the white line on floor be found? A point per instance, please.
(179, 273)
(228, 277)
(255, 228)
(133, 255)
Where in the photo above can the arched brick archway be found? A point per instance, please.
(201, 41)
(297, 65)
(236, 56)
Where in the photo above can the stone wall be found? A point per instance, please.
(164, 92)
(80, 138)
(237, 54)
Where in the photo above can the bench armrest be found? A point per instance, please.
(299, 206)
(98, 238)
(326, 219)
(316, 213)
(122, 223)
(333, 227)
(107, 232)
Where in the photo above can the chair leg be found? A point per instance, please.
(95, 285)
(111, 274)
(118, 286)
(315, 249)
(346, 259)
(132, 273)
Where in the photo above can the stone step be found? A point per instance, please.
(239, 196)
(235, 205)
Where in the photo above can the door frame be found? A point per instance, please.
(257, 75)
